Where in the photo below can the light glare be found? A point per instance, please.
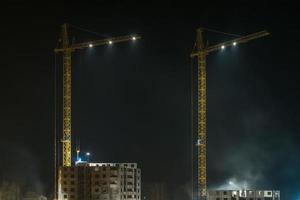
(110, 42)
(133, 38)
(234, 43)
(222, 47)
(88, 154)
(90, 45)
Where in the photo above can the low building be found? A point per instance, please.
(155, 191)
(33, 196)
(100, 181)
(10, 191)
(243, 195)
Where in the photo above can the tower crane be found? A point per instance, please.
(201, 51)
(66, 49)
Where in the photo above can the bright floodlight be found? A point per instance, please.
(110, 42)
(222, 47)
(90, 45)
(133, 38)
(88, 154)
(234, 43)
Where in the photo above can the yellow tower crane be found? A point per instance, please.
(201, 51)
(67, 50)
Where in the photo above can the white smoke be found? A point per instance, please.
(234, 184)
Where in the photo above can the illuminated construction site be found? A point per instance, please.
(86, 180)
(119, 181)
(201, 51)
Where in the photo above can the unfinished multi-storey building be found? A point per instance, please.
(243, 195)
(100, 181)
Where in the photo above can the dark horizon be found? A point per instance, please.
(131, 102)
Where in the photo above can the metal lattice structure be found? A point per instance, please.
(201, 52)
(67, 94)
(201, 75)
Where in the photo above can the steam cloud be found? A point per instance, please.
(19, 166)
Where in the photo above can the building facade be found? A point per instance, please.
(100, 181)
(155, 191)
(10, 191)
(243, 195)
(33, 196)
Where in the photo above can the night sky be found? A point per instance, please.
(131, 101)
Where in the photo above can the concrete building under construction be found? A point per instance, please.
(243, 195)
(99, 181)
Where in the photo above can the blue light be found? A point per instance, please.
(78, 160)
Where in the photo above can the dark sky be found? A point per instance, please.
(131, 102)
